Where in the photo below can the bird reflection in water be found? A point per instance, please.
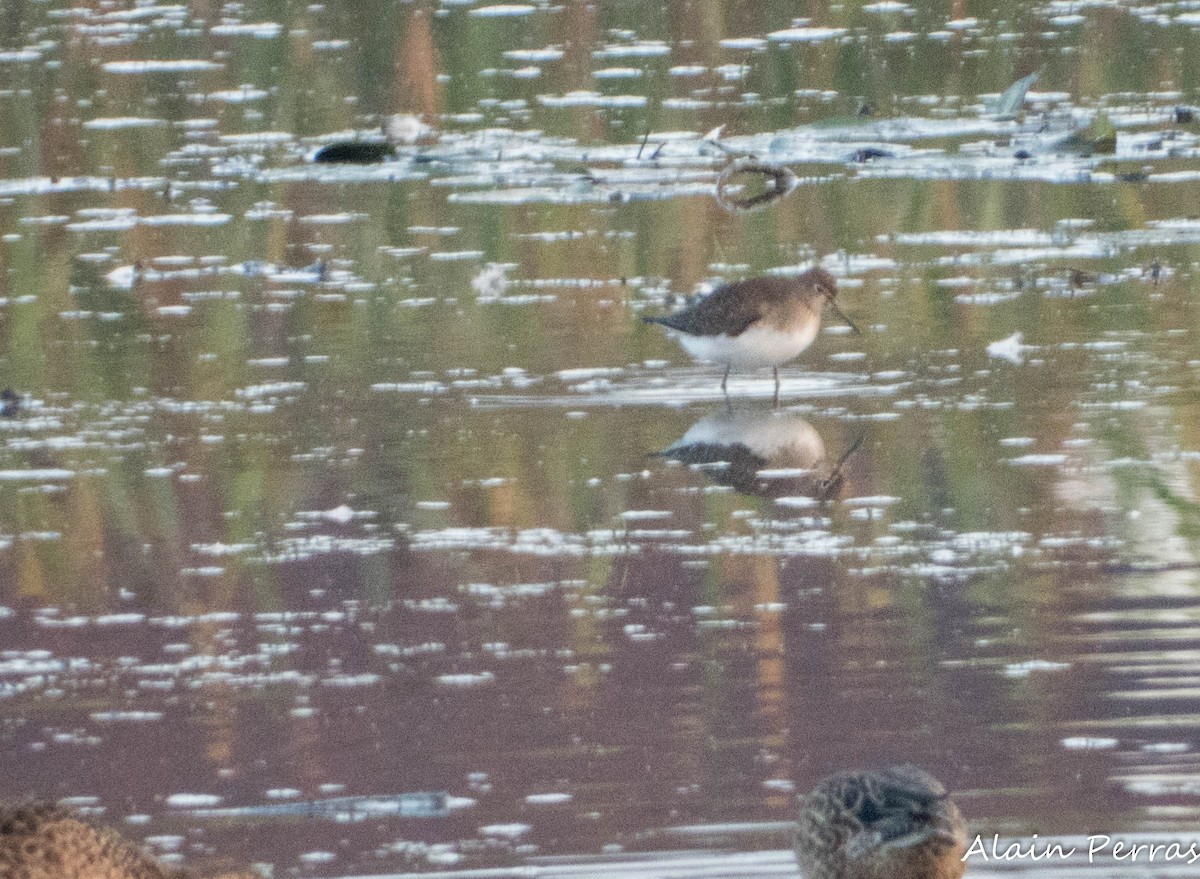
(763, 452)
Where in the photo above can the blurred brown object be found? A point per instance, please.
(42, 841)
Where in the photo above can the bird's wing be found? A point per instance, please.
(722, 312)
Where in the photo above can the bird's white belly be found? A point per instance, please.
(757, 346)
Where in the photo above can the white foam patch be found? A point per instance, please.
(180, 66)
(807, 34)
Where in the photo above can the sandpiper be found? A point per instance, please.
(898, 823)
(42, 841)
(756, 322)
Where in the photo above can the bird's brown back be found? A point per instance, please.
(898, 823)
(41, 841)
(732, 308)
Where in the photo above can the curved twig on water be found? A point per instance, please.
(780, 181)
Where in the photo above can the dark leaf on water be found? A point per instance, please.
(10, 403)
(868, 153)
(355, 152)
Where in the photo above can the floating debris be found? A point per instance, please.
(1077, 278)
(359, 152)
(407, 129)
(1011, 349)
(124, 277)
(1098, 138)
(1008, 105)
(492, 281)
(342, 810)
(781, 181)
(866, 154)
(10, 403)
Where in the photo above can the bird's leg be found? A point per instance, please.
(776, 400)
(725, 381)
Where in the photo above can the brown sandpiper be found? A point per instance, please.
(756, 322)
(897, 823)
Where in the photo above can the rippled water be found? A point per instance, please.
(332, 483)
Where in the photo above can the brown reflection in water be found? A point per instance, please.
(578, 32)
(416, 89)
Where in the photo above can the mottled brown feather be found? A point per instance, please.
(898, 823)
(733, 308)
(41, 841)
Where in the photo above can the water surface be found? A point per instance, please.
(344, 481)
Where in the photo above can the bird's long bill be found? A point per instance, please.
(837, 468)
(854, 329)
